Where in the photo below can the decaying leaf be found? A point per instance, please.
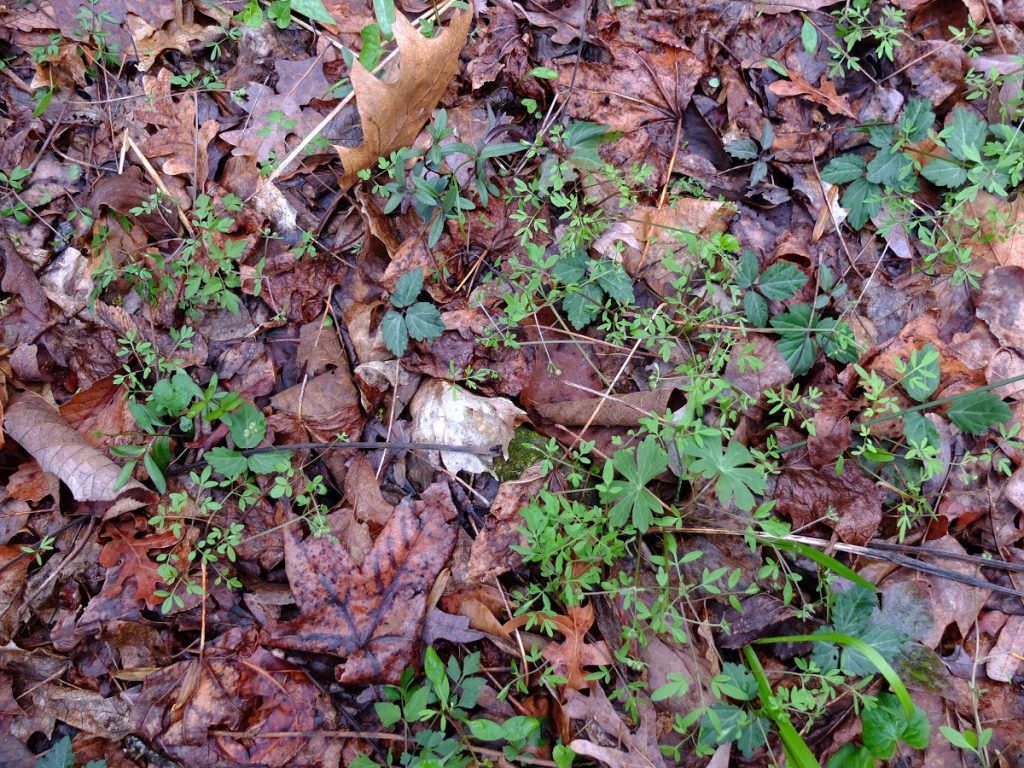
(569, 658)
(392, 112)
(371, 615)
(447, 414)
(1008, 654)
(88, 473)
(610, 741)
(825, 94)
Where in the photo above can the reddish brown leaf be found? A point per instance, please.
(569, 658)
(825, 94)
(491, 554)
(127, 553)
(371, 615)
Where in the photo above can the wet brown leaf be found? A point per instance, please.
(491, 554)
(392, 112)
(127, 557)
(324, 406)
(568, 659)
(610, 741)
(371, 615)
(1005, 659)
(825, 94)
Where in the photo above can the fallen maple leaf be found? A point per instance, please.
(391, 113)
(126, 556)
(626, 749)
(825, 94)
(370, 614)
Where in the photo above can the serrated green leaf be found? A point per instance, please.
(795, 344)
(975, 412)
(583, 305)
(248, 426)
(369, 54)
(423, 322)
(748, 269)
(888, 167)
(844, 169)
(781, 281)
(964, 133)
(756, 308)
(743, 149)
(270, 462)
(731, 469)
(862, 200)
(809, 36)
(614, 280)
(396, 336)
(886, 724)
(944, 173)
(922, 375)
(571, 268)
(486, 730)
(314, 10)
(917, 119)
(226, 461)
(920, 431)
(60, 755)
(407, 288)
(852, 756)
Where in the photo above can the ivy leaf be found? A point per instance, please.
(922, 376)
(975, 412)
(964, 133)
(407, 288)
(756, 308)
(632, 501)
(944, 173)
(396, 336)
(862, 200)
(844, 169)
(730, 471)
(781, 281)
(423, 322)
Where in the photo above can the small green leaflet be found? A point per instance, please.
(583, 304)
(614, 280)
(844, 169)
(730, 469)
(396, 337)
(756, 308)
(862, 200)
(922, 373)
(543, 73)
(384, 12)
(743, 149)
(888, 167)
(312, 9)
(369, 54)
(407, 288)
(781, 281)
(852, 756)
(975, 412)
(809, 36)
(886, 725)
(423, 322)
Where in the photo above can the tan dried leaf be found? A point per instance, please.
(43, 433)
(392, 112)
(1005, 658)
(825, 94)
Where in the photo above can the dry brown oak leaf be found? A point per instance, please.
(88, 473)
(371, 615)
(392, 112)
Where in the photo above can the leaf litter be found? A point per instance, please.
(222, 620)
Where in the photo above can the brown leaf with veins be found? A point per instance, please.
(618, 747)
(825, 94)
(182, 150)
(87, 472)
(371, 615)
(392, 112)
(126, 556)
(569, 658)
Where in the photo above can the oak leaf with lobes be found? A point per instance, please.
(372, 614)
(391, 113)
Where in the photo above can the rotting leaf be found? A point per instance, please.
(825, 94)
(630, 750)
(392, 113)
(88, 473)
(371, 615)
(126, 556)
(569, 658)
